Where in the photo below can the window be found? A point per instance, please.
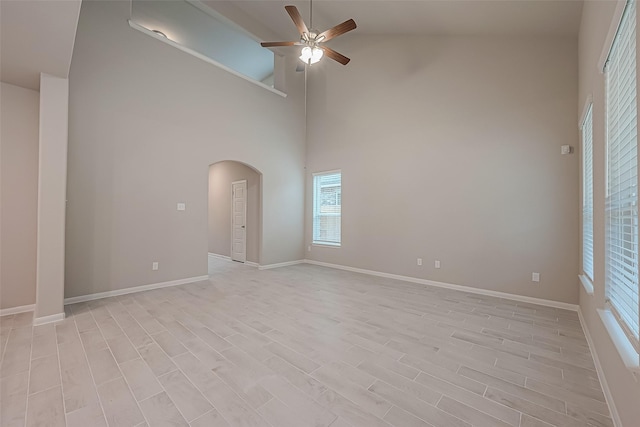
(587, 193)
(327, 207)
(622, 177)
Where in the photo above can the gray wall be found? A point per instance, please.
(221, 175)
(146, 121)
(596, 21)
(450, 150)
(19, 203)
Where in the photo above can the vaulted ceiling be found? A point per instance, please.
(38, 36)
(35, 37)
(417, 17)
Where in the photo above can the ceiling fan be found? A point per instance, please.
(313, 41)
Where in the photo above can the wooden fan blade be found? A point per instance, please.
(297, 19)
(335, 55)
(339, 29)
(275, 44)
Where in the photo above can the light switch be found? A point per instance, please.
(181, 206)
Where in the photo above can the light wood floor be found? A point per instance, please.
(300, 346)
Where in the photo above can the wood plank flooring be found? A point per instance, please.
(300, 346)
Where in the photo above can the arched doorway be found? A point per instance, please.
(235, 212)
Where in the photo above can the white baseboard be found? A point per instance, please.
(15, 310)
(48, 319)
(615, 417)
(497, 294)
(133, 289)
(227, 258)
(281, 264)
(212, 255)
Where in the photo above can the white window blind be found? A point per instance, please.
(587, 193)
(622, 177)
(327, 207)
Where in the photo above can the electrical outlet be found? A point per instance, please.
(535, 277)
(154, 266)
(181, 206)
(419, 261)
(437, 264)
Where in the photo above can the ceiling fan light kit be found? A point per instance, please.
(311, 55)
(313, 42)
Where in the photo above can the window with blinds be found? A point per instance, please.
(587, 193)
(327, 208)
(622, 177)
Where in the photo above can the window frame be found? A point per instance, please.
(315, 217)
(612, 312)
(587, 186)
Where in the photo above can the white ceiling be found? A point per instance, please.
(35, 37)
(418, 17)
(38, 35)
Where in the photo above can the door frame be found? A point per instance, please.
(244, 214)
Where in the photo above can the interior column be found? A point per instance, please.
(52, 191)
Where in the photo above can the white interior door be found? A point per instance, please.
(239, 221)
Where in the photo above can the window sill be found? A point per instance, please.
(625, 349)
(327, 245)
(586, 284)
